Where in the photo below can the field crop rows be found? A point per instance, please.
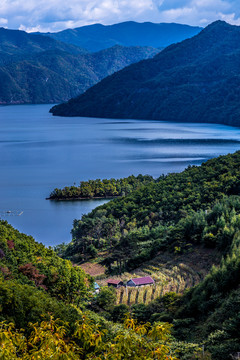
(170, 273)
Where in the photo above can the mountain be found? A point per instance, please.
(50, 72)
(19, 43)
(97, 37)
(196, 80)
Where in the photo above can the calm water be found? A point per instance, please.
(40, 152)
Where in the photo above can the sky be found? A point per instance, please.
(56, 15)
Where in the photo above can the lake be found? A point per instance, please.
(40, 152)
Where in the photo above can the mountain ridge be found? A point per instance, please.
(43, 70)
(130, 33)
(196, 80)
(19, 42)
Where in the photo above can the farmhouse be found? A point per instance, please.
(142, 281)
(114, 282)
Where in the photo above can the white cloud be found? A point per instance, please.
(53, 15)
(3, 21)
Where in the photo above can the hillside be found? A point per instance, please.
(173, 229)
(158, 216)
(37, 74)
(98, 37)
(43, 311)
(196, 80)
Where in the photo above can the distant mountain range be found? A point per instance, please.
(55, 67)
(197, 80)
(98, 37)
(15, 45)
(39, 69)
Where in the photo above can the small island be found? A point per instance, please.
(101, 189)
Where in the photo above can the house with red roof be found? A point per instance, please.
(142, 281)
(115, 283)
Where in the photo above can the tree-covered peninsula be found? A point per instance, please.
(101, 189)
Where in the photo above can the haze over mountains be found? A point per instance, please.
(97, 37)
(196, 80)
(40, 69)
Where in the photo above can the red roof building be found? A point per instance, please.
(146, 280)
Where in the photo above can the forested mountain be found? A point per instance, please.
(196, 80)
(97, 37)
(43, 70)
(199, 207)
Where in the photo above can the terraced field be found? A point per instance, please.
(171, 272)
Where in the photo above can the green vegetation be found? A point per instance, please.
(101, 188)
(43, 310)
(48, 340)
(32, 264)
(179, 213)
(193, 215)
(162, 215)
(196, 80)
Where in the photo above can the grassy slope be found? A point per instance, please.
(171, 272)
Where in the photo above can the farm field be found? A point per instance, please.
(171, 272)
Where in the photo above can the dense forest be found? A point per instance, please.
(133, 227)
(101, 188)
(196, 80)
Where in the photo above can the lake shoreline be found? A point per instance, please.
(84, 198)
(41, 152)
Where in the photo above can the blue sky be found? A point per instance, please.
(55, 15)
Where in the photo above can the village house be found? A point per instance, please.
(115, 283)
(142, 281)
